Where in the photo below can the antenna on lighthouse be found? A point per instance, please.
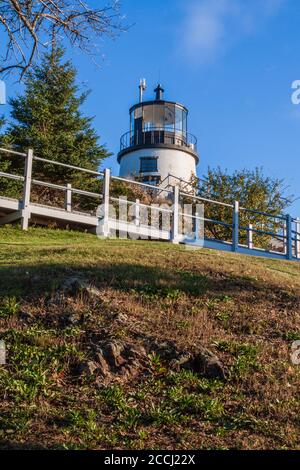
(142, 87)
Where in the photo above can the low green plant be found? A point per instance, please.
(114, 398)
(245, 356)
(292, 336)
(161, 415)
(9, 307)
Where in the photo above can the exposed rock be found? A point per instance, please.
(121, 318)
(167, 350)
(182, 362)
(103, 366)
(125, 360)
(208, 364)
(202, 361)
(113, 351)
(87, 368)
(120, 359)
(26, 316)
(73, 319)
(136, 350)
(76, 284)
(130, 370)
(91, 292)
(73, 284)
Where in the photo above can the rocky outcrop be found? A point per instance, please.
(116, 359)
(204, 363)
(124, 360)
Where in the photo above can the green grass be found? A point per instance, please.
(245, 310)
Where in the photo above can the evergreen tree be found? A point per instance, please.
(48, 119)
(9, 164)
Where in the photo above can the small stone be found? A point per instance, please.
(136, 350)
(209, 365)
(26, 315)
(113, 352)
(102, 365)
(87, 368)
(166, 350)
(73, 284)
(92, 292)
(121, 318)
(130, 370)
(203, 362)
(73, 319)
(182, 362)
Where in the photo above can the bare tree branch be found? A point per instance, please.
(27, 27)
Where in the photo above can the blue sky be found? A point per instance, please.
(231, 62)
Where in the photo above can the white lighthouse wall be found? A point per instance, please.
(170, 161)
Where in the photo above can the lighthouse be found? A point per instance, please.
(158, 149)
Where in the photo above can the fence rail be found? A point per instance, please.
(286, 236)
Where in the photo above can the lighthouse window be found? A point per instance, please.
(148, 165)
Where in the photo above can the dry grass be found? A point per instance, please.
(244, 309)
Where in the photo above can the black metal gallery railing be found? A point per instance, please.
(154, 136)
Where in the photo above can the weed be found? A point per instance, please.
(130, 418)
(153, 292)
(292, 336)
(245, 354)
(223, 317)
(114, 398)
(163, 415)
(9, 307)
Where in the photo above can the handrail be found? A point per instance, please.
(65, 189)
(265, 214)
(152, 207)
(11, 176)
(65, 165)
(207, 200)
(158, 135)
(49, 185)
(197, 217)
(13, 152)
(155, 188)
(263, 232)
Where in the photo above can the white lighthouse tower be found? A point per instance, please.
(158, 147)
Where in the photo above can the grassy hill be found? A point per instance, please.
(102, 337)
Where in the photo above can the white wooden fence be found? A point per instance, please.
(286, 240)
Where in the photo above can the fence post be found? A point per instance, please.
(175, 221)
(137, 213)
(235, 226)
(297, 230)
(103, 229)
(250, 237)
(68, 199)
(289, 238)
(284, 233)
(26, 190)
(123, 217)
(105, 204)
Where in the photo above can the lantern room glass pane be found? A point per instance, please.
(158, 116)
(147, 117)
(184, 121)
(169, 123)
(179, 120)
(166, 117)
(138, 113)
